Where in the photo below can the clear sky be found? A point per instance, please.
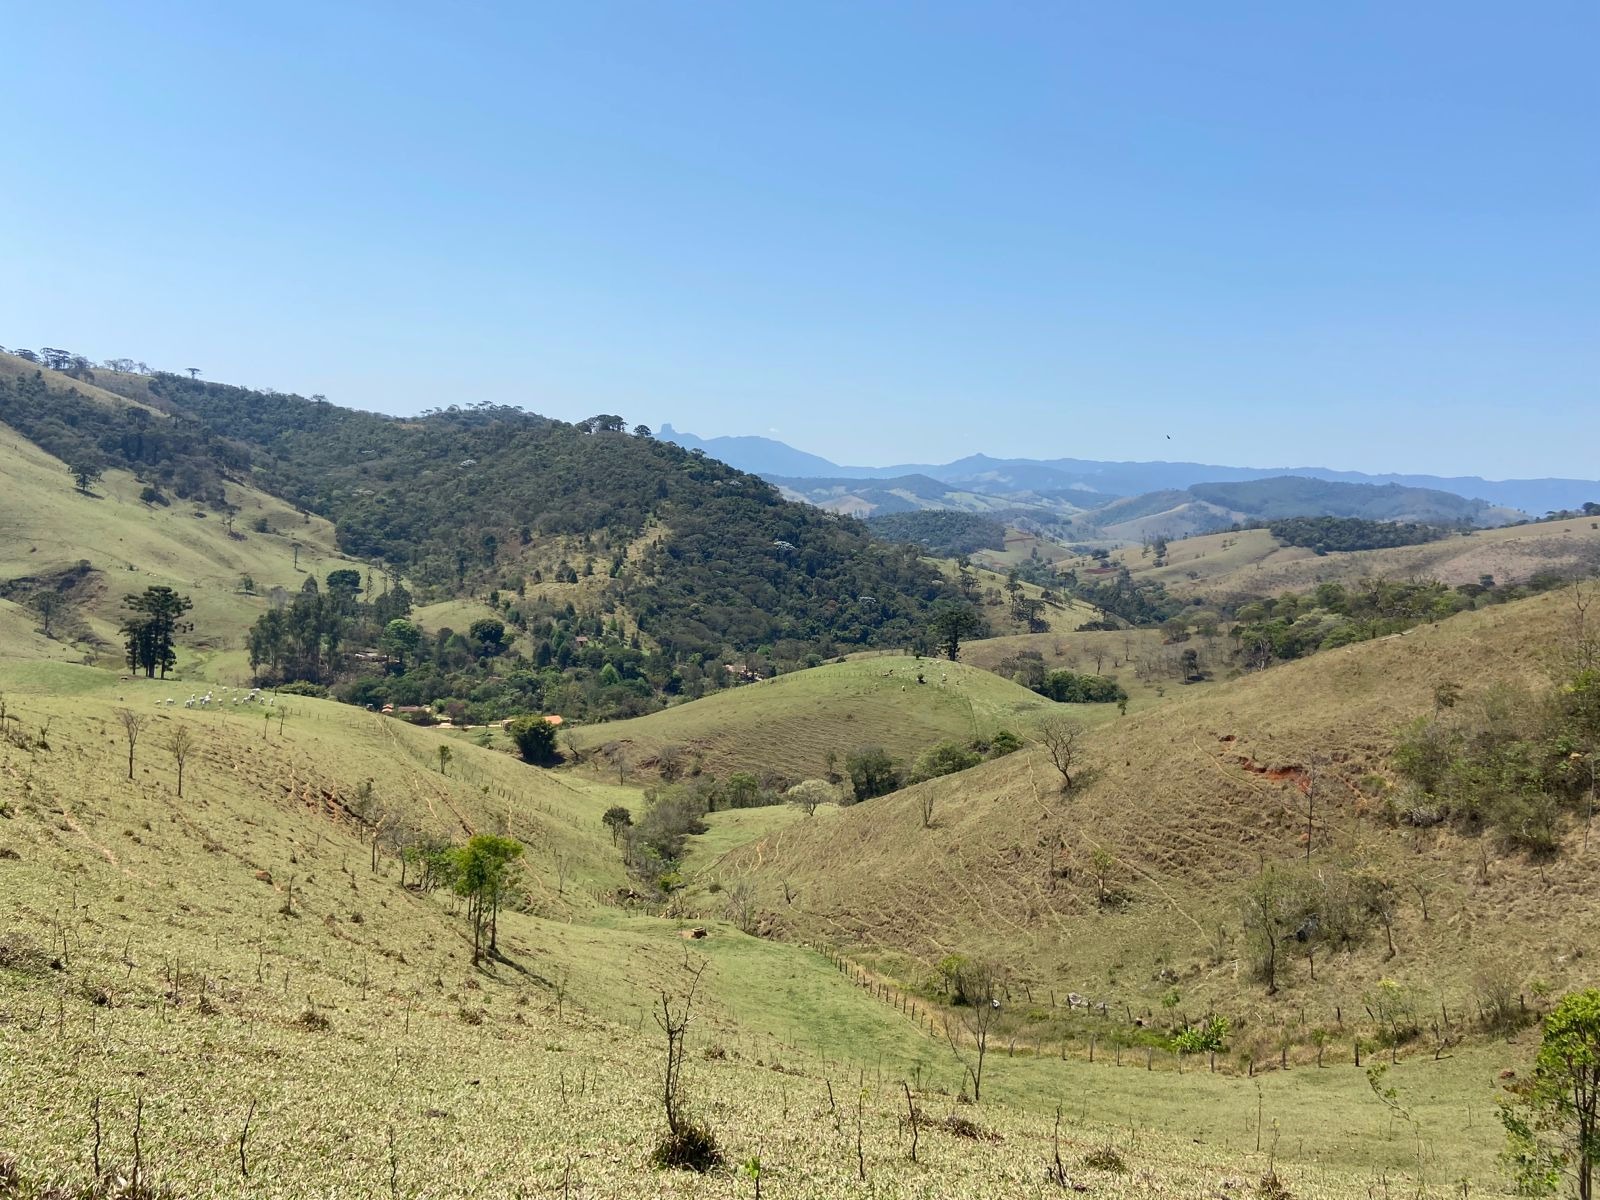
(1361, 235)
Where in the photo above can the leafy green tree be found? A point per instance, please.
(944, 758)
(489, 634)
(149, 632)
(617, 818)
(86, 472)
(1553, 1125)
(400, 639)
(742, 790)
(344, 579)
(809, 793)
(872, 772)
(950, 622)
(535, 738)
(444, 758)
(483, 875)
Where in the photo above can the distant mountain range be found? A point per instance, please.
(1071, 484)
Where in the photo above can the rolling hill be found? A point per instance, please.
(789, 723)
(49, 528)
(1230, 566)
(240, 977)
(1187, 801)
(701, 557)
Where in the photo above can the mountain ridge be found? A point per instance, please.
(1114, 478)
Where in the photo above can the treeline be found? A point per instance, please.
(175, 453)
(1294, 625)
(1065, 687)
(1330, 535)
(941, 532)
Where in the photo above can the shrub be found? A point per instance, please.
(535, 738)
(692, 1146)
(1004, 742)
(312, 1020)
(945, 758)
(1208, 1036)
(302, 688)
(1106, 1158)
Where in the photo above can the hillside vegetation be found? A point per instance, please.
(897, 925)
(1131, 886)
(789, 725)
(254, 1006)
(50, 528)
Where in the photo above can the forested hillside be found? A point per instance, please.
(614, 560)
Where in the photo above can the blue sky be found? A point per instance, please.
(1353, 235)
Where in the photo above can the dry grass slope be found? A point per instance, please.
(1253, 563)
(1189, 800)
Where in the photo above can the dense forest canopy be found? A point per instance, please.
(176, 453)
(681, 563)
(941, 532)
(1328, 535)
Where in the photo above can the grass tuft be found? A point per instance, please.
(692, 1147)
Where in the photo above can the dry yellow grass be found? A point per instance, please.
(1190, 799)
(1224, 565)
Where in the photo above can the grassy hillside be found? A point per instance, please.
(1141, 662)
(788, 724)
(1188, 800)
(1254, 563)
(234, 956)
(49, 527)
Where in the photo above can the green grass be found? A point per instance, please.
(48, 526)
(789, 723)
(206, 982)
(733, 829)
